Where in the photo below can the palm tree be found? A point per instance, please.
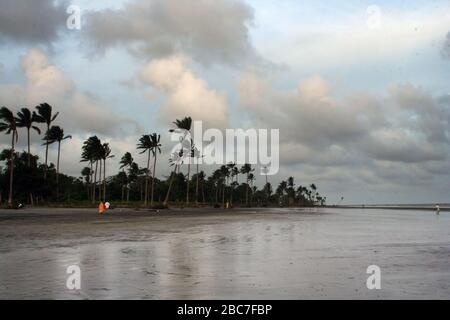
(216, 178)
(267, 185)
(56, 134)
(45, 116)
(176, 161)
(251, 178)
(201, 179)
(195, 153)
(290, 189)
(146, 145)
(86, 172)
(91, 152)
(314, 191)
(190, 155)
(185, 125)
(156, 147)
(25, 119)
(105, 154)
(9, 124)
(127, 161)
(133, 175)
(232, 172)
(281, 190)
(224, 174)
(246, 169)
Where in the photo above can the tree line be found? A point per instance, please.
(26, 180)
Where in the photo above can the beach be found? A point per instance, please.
(281, 253)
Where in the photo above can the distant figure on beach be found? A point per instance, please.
(101, 208)
(107, 205)
(437, 209)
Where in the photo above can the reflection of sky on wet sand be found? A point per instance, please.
(290, 255)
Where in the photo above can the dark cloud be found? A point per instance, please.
(406, 127)
(446, 47)
(209, 31)
(37, 21)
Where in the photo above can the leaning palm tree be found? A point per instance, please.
(91, 151)
(56, 134)
(156, 147)
(8, 123)
(145, 144)
(184, 125)
(25, 119)
(45, 116)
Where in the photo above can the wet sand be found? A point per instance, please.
(216, 254)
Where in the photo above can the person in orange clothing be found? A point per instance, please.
(101, 208)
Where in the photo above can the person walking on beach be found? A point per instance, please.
(438, 209)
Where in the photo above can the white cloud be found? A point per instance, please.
(185, 94)
(81, 114)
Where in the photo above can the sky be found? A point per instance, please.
(359, 90)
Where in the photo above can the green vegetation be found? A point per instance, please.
(25, 180)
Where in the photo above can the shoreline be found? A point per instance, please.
(393, 207)
(251, 253)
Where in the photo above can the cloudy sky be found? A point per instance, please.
(360, 91)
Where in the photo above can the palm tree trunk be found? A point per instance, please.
(95, 182)
(29, 161)
(46, 155)
(246, 194)
(217, 193)
(128, 189)
(90, 180)
(196, 188)
(100, 181)
(57, 171)
(223, 195)
(153, 178)
(203, 191)
(11, 169)
(172, 176)
(267, 191)
(104, 180)
(231, 192)
(251, 194)
(188, 178)
(29, 152)
(146, 178)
